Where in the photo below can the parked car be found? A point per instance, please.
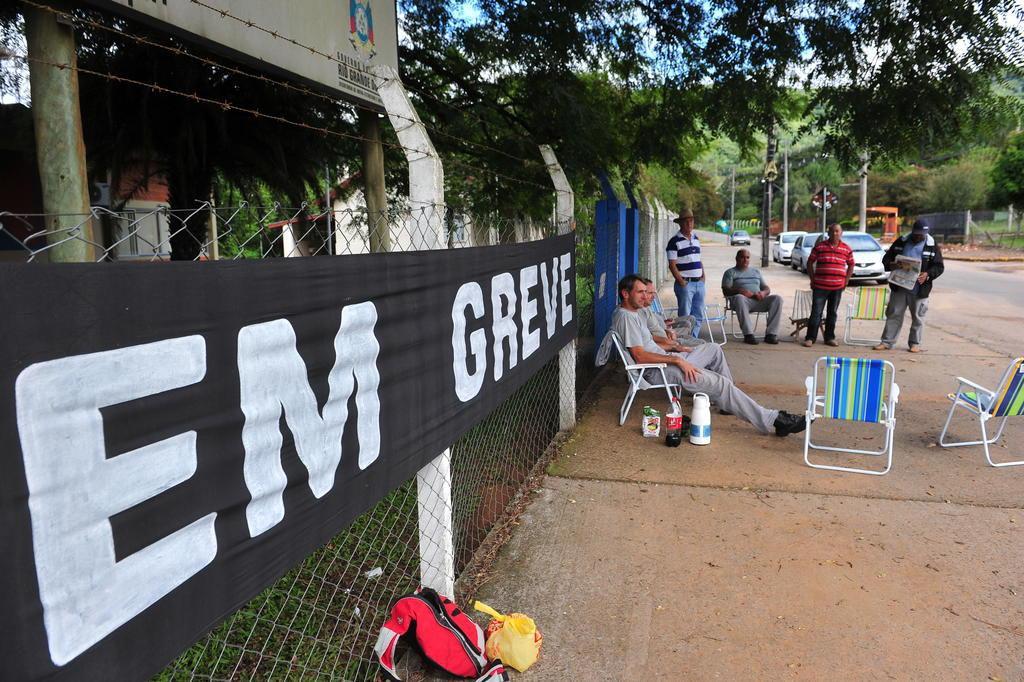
(867, 255)
(802, 249)
(782, 248)
(739, 237)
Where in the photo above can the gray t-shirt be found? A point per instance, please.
(749, 279)
(655, 322)
(633, 331)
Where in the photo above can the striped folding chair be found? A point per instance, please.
(801, 314)
(868, 305)
(1004, 402)
(668, 312)
(855, 389)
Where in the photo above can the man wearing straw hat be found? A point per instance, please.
(684, 264)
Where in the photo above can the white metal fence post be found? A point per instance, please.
(662, 238)
(426, 207)
(565, 218)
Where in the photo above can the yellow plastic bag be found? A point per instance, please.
(513, 638)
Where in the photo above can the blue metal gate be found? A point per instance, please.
(616, 253)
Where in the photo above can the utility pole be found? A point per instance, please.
(373, 179)
(785, 190)
(824, 207)
(57, 118)
(732, 203)
(768, 178)
(863, 224)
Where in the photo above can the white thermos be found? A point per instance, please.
(700, 421)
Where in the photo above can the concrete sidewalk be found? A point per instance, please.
(735, 560)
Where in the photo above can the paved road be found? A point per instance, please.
(737, 561)
(964, 294)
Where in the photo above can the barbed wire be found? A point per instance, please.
(224, 14)
(229, 106)
(179, 51)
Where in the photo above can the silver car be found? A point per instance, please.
(782, 247)
(802, 249)
(739, 237)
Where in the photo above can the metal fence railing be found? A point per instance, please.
(321, 619)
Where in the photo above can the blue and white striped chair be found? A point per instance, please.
(854, 389)
(712, 314)
(1005, 402)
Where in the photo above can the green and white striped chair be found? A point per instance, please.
(1004, 402)
(854, 389)
(869, 304)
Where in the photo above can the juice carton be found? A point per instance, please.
(651, 422)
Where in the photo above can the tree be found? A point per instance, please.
(612, 85)
(1008, 174)
(959, 186)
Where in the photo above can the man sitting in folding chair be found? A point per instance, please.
(667, 335)
(1005, 402)
(748, 294)
(855, 389)
(702, 369)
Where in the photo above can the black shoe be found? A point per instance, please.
(787, 423)
(771, 339)
(749, 338)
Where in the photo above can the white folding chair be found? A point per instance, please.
(635, 375)
(854, 389)
(713, 313)
(869, 304)
(1005, 402)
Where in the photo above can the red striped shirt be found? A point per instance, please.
(830, 265)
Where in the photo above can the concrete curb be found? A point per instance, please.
(985, 259)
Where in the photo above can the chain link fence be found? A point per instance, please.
(321, 619)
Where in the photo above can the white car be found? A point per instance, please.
(782, 248)
(867, 255)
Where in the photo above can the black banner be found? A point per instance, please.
(176, 436)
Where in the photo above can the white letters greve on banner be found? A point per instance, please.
(207, 425)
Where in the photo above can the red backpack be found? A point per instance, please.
(443, 633)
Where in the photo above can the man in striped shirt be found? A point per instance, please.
(684, 264)
(830, 265)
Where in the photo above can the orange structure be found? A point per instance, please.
(890, 222)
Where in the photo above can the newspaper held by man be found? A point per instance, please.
(905, 272)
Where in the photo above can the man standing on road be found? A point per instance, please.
(920, 245)
(702, 369)
(684, 264)
(748, 292)
(830, 266)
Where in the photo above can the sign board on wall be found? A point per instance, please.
(356, 34)
(175, 438)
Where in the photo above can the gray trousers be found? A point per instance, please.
(745, 306)
(715, 379)
(900, 300)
